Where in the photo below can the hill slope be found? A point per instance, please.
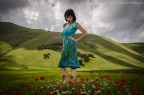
(138, 47)
(19, 50)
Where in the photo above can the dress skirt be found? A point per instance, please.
(69, 55)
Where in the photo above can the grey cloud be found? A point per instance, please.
(6, 5)
(127, 20)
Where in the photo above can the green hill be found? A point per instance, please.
(138, 47)
(18, 50)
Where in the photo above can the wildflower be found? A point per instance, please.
(122, 80)
(116, 83)
(102, 77)
(93, 82)
(136, 94)
(17, 93)
(71, 77)
(70, 83)
(78, 93)
(27, 85)
(122, 83)
(38, 87)
(82, 79)
(36, 79)
(49, 93)
(97, 89)
(107, 76)
(42, 77)
(80, 85)
(35, 92)
(79, 76)
(64, 76)
(60, 91)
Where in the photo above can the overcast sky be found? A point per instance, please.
(119, 20)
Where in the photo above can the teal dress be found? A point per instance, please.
(69, 56)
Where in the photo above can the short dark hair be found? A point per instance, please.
(70, 12)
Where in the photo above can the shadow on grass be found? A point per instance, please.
(8, 63)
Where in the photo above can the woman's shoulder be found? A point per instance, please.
(75, 23)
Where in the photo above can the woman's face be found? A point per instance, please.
(69, 19)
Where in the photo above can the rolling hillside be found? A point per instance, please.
(138, 47)
(18, 50)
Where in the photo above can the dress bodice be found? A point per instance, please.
(70, 31)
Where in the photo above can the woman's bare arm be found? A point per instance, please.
(84, 33)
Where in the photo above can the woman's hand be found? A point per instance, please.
(72, 38)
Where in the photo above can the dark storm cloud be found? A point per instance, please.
(119, 20)
(7, 5)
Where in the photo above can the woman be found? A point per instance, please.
(69, 56)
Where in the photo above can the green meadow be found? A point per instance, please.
(21, 62)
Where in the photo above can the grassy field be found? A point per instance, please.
(87, 83)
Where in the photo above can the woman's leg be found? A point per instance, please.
(73, 73)
(64, 72)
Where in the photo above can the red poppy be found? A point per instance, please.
(97, 89)
(102, 77)
(27, 85)
(60, 91)
(107, 76)
(78, 93)
(49, 93)
(93, 82)
(64, 76)
(82, 79)
(136, 94)
(17, 93)
(116, 83)
(80, 85)
(38, 87)
(122, 80)
(111, 82)
(36, 79)
(70, 83)
(71, 77)
(79, 75)
(35, 92)
(122, 83)
(42, 77)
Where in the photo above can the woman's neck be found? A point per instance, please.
(69, 23)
